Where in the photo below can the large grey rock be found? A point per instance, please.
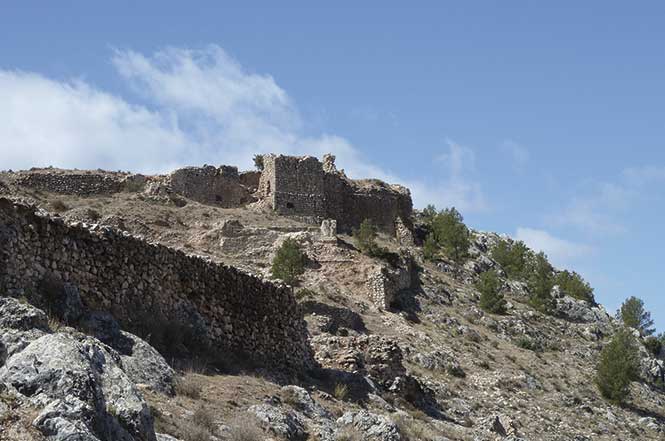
(144, 365)
(21, 316)
(20, 324)
(374, 427)
(80, 387)
(581, 311)
(282, 422)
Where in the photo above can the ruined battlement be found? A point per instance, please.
(305, 187)
(298, 186)
(133, 279)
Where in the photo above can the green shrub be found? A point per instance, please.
(575, 286)
(513, 257)
(258, 162)
(529, 344)
(365, 238)
(341, 391)
(541, 282)
(633, 315)
(430, 248)
(618, 366)
(654, 345)
(289, 262)
(451, 234)
(491, 299)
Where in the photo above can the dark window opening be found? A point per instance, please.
(289, 205)
(218, 198)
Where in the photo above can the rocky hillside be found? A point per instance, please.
(400, 347)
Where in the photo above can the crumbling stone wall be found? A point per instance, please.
(305, 187)
(384, 284)
(211, 185)
(72, 182)
(132, 279)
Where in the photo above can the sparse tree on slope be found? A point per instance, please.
(289, 262)
(541, 282)
(513, 258)
(575, 286)
(451, 234)
(491, 299)
(365, 238)
(633, 315)
(618, 366)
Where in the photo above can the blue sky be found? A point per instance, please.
(541, 121)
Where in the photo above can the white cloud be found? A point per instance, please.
(203, 107)
(561, 252)
(44, 122)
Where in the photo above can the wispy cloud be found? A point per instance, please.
(562, 253)
(518, 154)
(456, 184)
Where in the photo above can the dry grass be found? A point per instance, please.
(188, 387)
(245, 428)
(341, 391)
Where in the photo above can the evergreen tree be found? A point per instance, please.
(575, 286)
(429, 213)
(513, 258)
(541, 282)
(451, 234)
(633, 315)
(289, 262)
(618, 366)
(491, 299)
(430, 247)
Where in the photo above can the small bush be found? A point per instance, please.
(204, 417)
(245, 428)
(491, 299)
(529, 344)
(289, 262)
(258, 162)
(341, 391)
(365, 238)
(93, 214)
(412, 429)
(618, 366)
(188, 387)
(633, 315)
(575, 286)
(305, 293)
(59, 206)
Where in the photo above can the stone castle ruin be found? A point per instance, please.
(313, 190)
(298, 186)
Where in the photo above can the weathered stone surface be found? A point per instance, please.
(210, 185)
(81, 388)
(373, 427)
(145, 366)
(304, 187)
(132, 279)
(281, 422)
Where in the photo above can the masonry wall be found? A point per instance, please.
(303, 186)
(133, 280)
(211, 185)
(69, 182)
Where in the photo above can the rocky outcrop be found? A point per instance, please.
(80, 385)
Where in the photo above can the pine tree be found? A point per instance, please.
(451, 234)
(430, 247)
(575, 286)
(633, 315)
(541, 282)
(491, 299)
(289, 262)
(618, 366)
(513, 258)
